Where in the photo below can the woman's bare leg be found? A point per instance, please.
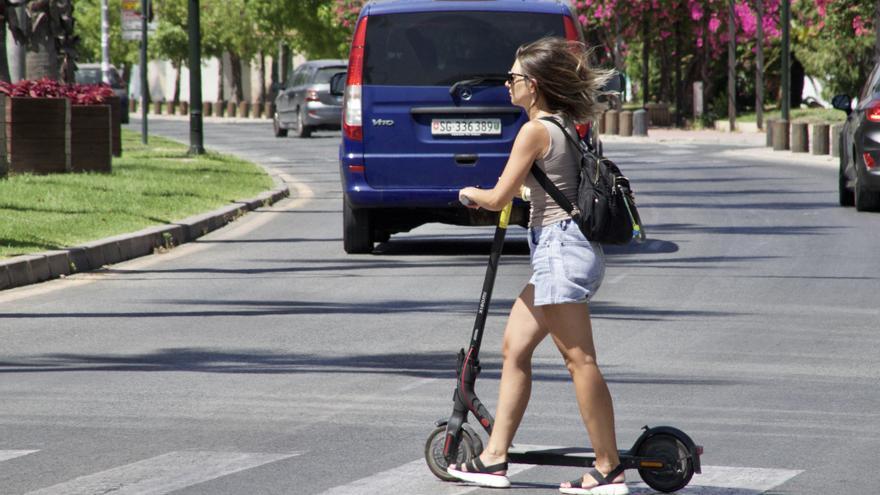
(572, 332)
(524, 331)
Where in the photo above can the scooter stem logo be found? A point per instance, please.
(382, 123)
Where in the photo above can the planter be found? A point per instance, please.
(269, 110)
(207, 108)
(244, 109)
(256, 111)
(170, 108)
(157, 108)
(219, 107)
(116, 125)
(36, 134)
(231, 109)
(90, 138)
(184, 108)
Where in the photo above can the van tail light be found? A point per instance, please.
(312, 95)
(870, 163)
(873, 112)
(352, 110)
(571, 30)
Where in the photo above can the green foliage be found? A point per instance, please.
(88, 27)
(171, 40)
(839, 47)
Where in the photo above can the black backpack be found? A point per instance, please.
(605, 211)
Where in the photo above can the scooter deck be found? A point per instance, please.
(556, 456)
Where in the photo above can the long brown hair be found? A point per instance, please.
(562, 72)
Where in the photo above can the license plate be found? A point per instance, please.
(466, 127)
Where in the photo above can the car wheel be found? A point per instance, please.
(866, 200)
(356, 231)
(276, 127)
(302, 130)
(847, 197)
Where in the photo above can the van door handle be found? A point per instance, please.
(466, 160)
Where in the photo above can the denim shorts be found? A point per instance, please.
(566, 267)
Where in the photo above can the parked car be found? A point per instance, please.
(91, 74)
(305, 103)
(426, 111)
(859, 175)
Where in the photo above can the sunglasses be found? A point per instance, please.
(511, 77)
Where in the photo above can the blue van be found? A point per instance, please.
(426, 112)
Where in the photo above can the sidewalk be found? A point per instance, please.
(751, 145)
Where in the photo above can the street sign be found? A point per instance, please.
(131, 20)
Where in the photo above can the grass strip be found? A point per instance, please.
(149, 185)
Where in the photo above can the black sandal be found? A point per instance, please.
(605, 486)
(479, 473)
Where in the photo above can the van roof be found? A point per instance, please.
(401, 6)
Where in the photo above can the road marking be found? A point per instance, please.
(416, 384)
(617, 278)
(727, 480)
(163, 474)
(5, 455)
(412, 478)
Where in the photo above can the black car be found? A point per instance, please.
(859, 178)
(91, 74)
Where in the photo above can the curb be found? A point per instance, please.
(40, 267)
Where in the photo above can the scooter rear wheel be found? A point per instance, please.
(469, 447)
(681, 467)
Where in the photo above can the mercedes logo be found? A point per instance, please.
(466, 94)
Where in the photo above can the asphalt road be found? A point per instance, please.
(264, 360)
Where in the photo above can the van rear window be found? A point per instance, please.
(440, 48)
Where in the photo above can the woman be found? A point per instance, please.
(550, 78)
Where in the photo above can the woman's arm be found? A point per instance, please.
(531, 141)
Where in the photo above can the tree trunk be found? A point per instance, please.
(619, 61)
(876, 30)
(707, 60)
(759, 73)
(664, 70)
(679, 90)
(4, 63)
(178, 66)
(731, 67)
(646, 47)
(235, 62)
(41, 59)
(220, 77)
(262, 96)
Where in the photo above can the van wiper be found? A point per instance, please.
(498, 79)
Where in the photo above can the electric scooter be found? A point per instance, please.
(665, 457)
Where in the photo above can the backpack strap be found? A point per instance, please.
(548, 184)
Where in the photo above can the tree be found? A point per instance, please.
(123, 53)
(171, 40)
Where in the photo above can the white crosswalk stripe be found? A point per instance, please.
(5, 455)
(414, 478)
(163, 474)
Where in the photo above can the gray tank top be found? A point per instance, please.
(561, 166)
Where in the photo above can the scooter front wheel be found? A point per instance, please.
(679, 469)
(469, 447)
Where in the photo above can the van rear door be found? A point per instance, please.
(417, 135)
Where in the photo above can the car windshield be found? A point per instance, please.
(441, 48)
(323, 75)
(93, 76)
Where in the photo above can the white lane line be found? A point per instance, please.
(617, 278)
(5, 455)
(412, 478)
(416, 384)
(163, 474)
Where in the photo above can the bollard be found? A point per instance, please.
(231, 109)
(170, 108)
(780, 135)
(256, 110)
(820, 139)
(611, 121)
(207, 107)
(601, 123)
(219, 107)
(768, 129)
(157, 107)
(836, 129)
(799, 137)
(640, 122)
(626, 123)
(184, 108)
(244, 109)
(269, 110)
